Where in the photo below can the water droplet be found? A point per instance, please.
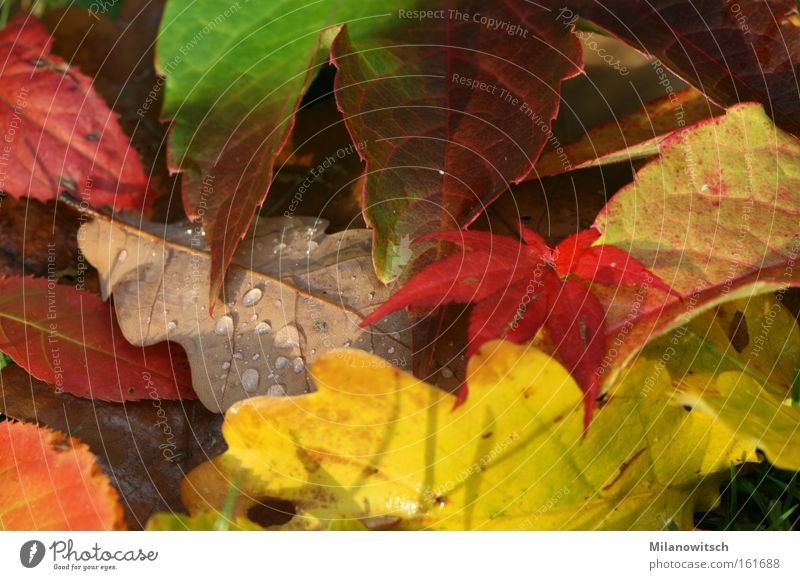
(287, 337)
(281, 362)
(224, 326)
(447, 373)
(252, 297)
(250, 380)
(122, 256)
(171, 326)
(262, 328)
(298, 365)
(226, 365)
(276, 390)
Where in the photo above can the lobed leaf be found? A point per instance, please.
(378, 446)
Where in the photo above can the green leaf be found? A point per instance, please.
(234, 76)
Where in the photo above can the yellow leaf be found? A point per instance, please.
(750, 412)
(737, 364)
(377, 445)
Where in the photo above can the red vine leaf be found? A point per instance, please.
(59, 134)
(70, 338)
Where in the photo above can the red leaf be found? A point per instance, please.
(52, 483)
(603, 264)
(515, 313)
(575, 325)
(516, 290)
(59, 134)
(70, 339)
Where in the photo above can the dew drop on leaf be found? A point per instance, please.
(224, 326)
(252, 297)
(287, 337)
(276, 390)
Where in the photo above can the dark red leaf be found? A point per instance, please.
(59, 135)
(732, 51)
(452, 112)
(70, 338)
(575, 325)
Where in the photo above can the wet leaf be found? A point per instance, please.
(50, 482)
(292, 294)
(376, 445)
(232, 113)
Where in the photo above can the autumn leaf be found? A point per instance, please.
(69, 338)
(451, 112)
(60, 136)
(518, 288)
(50, 482)
(732, 51)
(715, 216)
(291, 294)
(737, 363)
(630, 138)
(145, 447)
(513, 456)
(232, 113)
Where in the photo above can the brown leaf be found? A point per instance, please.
(292, 294)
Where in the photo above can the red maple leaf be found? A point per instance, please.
(518, 288)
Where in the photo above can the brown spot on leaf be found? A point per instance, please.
(624, 467)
